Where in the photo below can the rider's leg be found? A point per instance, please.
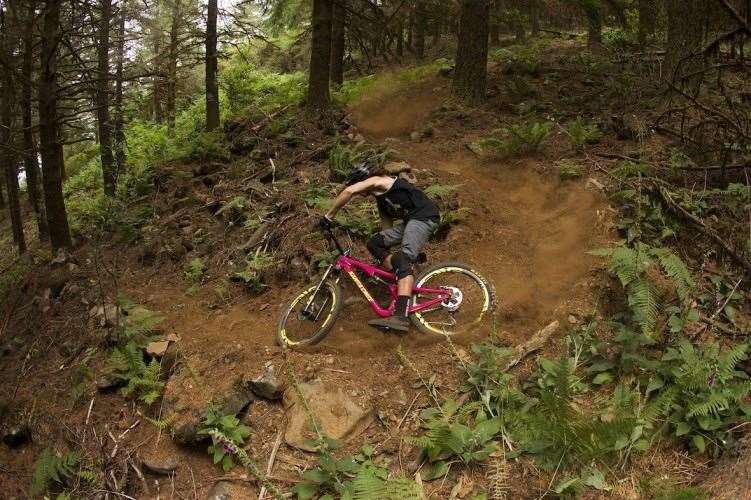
(415, 235)
(380, 244)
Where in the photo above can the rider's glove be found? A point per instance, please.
(326, 223)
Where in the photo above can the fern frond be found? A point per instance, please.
(677, 270)
(642, 298)
(498, 476)
(713, 405)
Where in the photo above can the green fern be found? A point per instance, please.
(631, 265)
(142, 379)
(677, 270)
(51, 469)
(372, 483)
(709, 392)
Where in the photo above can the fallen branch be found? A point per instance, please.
(720, 326)
(535, 343)
(270, 466)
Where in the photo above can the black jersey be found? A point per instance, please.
(405, 201)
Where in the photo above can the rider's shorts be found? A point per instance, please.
(412, 236)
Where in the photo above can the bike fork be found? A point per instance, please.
(305, 311)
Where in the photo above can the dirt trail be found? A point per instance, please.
(529, 233)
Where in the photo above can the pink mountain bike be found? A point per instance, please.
(449, 298)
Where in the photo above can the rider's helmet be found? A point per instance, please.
(359, 172)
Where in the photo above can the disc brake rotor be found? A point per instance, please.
(452, 303)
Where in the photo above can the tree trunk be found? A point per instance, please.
(685, 36)
(647, 20)
(172, 66)
(320, 57)
(118, 132)
(495, 22)
(594, 27)
(471, 61)
(157, 79)
(7, 147)
(534, 16)
(51, 149)
(410, 30)
(30, 160)
(2, 197)
(212, 86)
(103, 99)
(421, 24)
(400, 39)
(338, 20)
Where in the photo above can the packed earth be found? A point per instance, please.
(142, 361)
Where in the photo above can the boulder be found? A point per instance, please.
(339, 416)
(161, 466)
(181, 399)
(226, 490)
(106, 315)
(268, 386)
(17, 436)
(109, 382)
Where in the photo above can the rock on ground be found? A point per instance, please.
(339, 416)
(268, 386)
(190, 404)
(226, 490)
(162, 466)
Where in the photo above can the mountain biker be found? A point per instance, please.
(397, 199)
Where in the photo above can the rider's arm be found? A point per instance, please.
(358, 188)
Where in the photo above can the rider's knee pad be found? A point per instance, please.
(377, 247)
(402, 265)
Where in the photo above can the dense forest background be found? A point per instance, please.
(163, 164)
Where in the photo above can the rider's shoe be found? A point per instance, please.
(399, 323)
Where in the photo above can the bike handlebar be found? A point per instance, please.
(328, 232)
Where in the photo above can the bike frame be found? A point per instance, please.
(348, 264)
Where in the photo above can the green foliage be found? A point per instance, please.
(81, 375)
(250, 90)
(449, 432)
(342, 157)
(582, 133)
(360, 219)
(14, 276)
(519, 88)
(523, 138)
(567, 169)
(232, 430)
(390, 82)
(631, 265)
(52, 470)
(325, 258)
(142, 380)
(229, 447)
(148, 147)
(318, 197)
(710, 393)
(357, 477)
(194, 274)
(519, 59)
(643, 218)
(252, 275)
(140, 323)
(441, 191)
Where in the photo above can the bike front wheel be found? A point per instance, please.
(306, 321)
(472, 299)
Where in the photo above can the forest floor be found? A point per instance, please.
(525, 229)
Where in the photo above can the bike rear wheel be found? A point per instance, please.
(298, 327)
(472, 301)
